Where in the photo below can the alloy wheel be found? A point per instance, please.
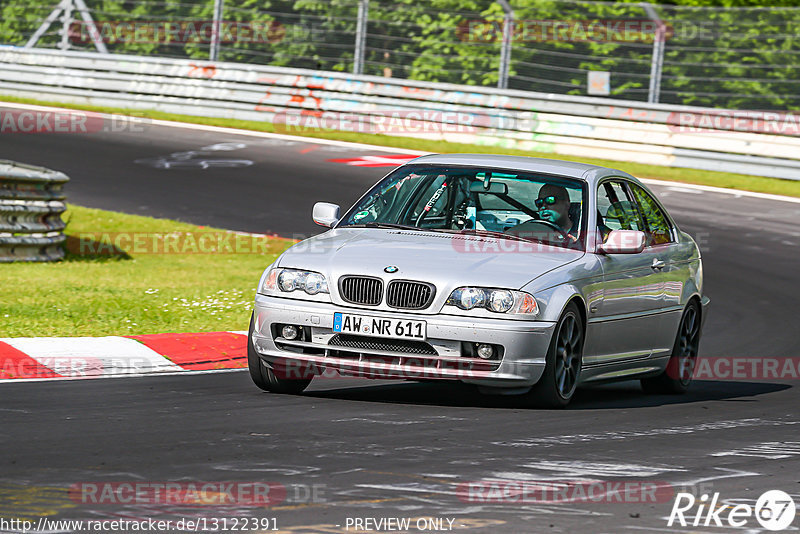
(568, 356)
(688, 343)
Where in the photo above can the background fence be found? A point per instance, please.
(738, 58)
(296, 100)
(31, 204)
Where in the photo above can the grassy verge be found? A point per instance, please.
(116, 281)
(691, 176)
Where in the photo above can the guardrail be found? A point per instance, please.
(31, 204)
(761, 144)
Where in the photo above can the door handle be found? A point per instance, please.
(657, 264)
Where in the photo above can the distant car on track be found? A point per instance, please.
(519, 275)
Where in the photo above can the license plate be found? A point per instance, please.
(347, 323)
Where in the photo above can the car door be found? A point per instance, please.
(663, 243)
(630, 310)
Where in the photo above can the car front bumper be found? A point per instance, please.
(524, 345)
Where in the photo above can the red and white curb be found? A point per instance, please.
(394, 160)
(53, 358)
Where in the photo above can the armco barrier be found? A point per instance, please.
(566, 125)
(31, 204)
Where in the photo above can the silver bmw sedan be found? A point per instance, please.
(518, 275)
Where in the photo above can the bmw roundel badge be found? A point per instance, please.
(391, 269)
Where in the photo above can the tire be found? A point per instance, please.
(677, 377)
(264, 377)
(564, 360)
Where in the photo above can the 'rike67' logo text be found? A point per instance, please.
(774, 510)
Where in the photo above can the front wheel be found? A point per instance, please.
(563, 362)
(680, 369)
(264, 377)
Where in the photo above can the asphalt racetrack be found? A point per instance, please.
(354, 449)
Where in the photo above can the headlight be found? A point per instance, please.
(470, 297)
(501, 301)
(288, 280)
(495, 300)
(315, 283)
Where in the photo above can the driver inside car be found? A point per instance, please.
(553, 205)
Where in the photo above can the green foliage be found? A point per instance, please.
(716, 53)
(20, 18)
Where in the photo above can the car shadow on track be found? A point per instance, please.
(596, 397)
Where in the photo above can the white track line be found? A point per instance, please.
(362, 146)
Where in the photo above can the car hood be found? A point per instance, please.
(446, 260)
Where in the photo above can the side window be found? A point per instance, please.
(658, 228)
(615, 209)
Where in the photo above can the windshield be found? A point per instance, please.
(516, 205)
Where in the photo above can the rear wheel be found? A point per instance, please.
(264, 377)
(563, 362)
(680, 369)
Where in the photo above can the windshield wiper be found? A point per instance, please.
(492, 233)
(394, 226)
(375, 224)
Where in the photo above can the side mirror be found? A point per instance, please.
(325, 214)
(623, 242)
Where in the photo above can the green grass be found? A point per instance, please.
(691, 176)
(133, 291)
